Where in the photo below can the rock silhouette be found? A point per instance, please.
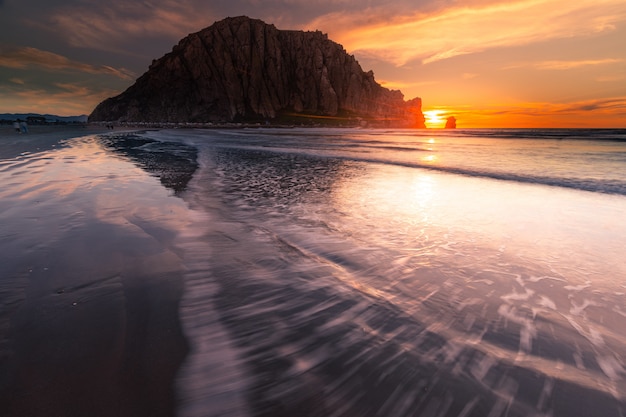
(242, 70)
(451, 122)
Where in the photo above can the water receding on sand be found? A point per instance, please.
(314, 273)
(357, 288)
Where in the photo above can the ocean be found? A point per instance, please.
(315, 272)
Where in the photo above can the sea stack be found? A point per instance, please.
(451, 122)
(244, 70)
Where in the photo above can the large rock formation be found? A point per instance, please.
(241, 69)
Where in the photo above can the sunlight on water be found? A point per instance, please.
(515, 286)
(542, 223)
(491, 232)
(328, 272)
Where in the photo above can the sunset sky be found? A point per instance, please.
(489, 63)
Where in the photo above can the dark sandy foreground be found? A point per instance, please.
(90, 282)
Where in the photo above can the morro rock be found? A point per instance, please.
(241, 70)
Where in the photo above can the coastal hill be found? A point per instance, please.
(244, 70)
(36, 118)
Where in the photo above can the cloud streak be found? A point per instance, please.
(110, 27)
(21, 58)
(63, 99)
(614, 106)
(566, 65)
(460, 30)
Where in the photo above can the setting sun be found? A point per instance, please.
(434, 118)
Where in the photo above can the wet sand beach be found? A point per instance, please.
(89, 281)
(312, 272)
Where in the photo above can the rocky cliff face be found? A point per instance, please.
(241, 69)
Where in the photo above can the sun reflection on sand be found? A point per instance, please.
(85, 174)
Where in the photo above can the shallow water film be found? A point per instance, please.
(302, 272)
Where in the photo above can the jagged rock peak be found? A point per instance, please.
(242, 69)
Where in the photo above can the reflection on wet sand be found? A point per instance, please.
(238, 273)
(172, 163)
(90, 285)
(346, 293)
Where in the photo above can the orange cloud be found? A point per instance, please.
(404, 85)
(31, 57)
(566, 65)
(460, 30)
(63, 100)
(611, 78)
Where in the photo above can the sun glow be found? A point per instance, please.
(434, 118)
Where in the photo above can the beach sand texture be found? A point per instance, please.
(89, 287)
(311, 272)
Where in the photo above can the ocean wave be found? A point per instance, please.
(605, 186)
(590, 164)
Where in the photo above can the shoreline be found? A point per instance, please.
(45, 137)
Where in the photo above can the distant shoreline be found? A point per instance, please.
(44, 137)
